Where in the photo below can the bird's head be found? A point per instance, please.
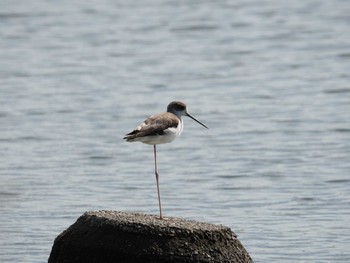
(179, 109)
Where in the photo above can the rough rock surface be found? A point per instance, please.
(111, 236)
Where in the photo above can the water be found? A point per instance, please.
(270, 79)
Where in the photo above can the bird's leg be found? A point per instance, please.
(157, 179)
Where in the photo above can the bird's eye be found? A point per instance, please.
(180, 107)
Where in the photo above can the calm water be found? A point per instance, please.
(270, 79)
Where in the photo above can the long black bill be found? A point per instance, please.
(188, 115)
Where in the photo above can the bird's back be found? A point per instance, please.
(157, 129)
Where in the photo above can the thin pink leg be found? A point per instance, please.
(157, 179)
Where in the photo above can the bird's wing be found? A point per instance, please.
(154, 125)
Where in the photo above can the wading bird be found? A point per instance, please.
(161, 128)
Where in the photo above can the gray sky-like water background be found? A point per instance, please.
(270, 78)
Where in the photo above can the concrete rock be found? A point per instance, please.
(111, 236)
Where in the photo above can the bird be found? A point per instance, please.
(159, 129)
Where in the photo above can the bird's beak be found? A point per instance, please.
(188, 115)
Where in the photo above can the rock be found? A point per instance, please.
(111, 236)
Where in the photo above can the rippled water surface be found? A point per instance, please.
(270, 78)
